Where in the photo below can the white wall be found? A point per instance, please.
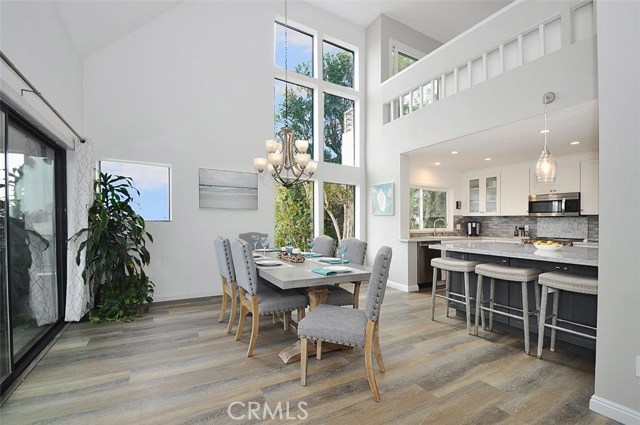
(617, 389)
(194, 88)
(35, 39)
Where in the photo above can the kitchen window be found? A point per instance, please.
(426, 206)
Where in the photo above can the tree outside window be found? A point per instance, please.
(426, 206)
(294, 215)
(339, 210)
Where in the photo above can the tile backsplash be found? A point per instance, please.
(558, 227)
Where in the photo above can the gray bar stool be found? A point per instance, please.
(452, 265)
(562, 282)
(512, 274)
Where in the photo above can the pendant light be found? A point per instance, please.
(546, 168)
(287, 161)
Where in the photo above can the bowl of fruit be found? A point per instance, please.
(547, 245)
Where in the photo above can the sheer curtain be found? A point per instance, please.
(80, 183)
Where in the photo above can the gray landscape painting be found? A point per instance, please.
(228, 190)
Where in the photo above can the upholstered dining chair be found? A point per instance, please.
(356, 254)
(228, 278)
(249, 238)
(257, 296)
(347, 326)
(324, 245)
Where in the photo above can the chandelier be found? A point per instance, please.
(546, 168)
(287, 160)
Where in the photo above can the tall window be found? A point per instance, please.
(339, 138)
(426, 206)
(294, 104)
(337, 64)
(153, 183)
(339, 210)
(330, 101)
(299, 52)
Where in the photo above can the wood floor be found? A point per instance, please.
(178, 366)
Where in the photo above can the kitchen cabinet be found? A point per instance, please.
(589, 195)
(483, 195)
(514, 192)
(567, 180)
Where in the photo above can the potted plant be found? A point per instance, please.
(115, 252)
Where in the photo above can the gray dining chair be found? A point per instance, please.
(257, 296)
(346, 326)
(228, 278)
(249, 237)
(356, 254)
(324, 245)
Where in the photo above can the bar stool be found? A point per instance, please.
(512, 274)
(452, 265)
(562, 282)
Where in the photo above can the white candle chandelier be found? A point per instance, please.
(287, 160)
(546, 168)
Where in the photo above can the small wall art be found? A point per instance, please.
(228, 189)
(382, 199)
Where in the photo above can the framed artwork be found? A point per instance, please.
(382, 199)
(228, 189)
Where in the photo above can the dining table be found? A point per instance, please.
(292, 275)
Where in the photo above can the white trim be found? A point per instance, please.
(175, 296)
(614, 411)
(402, 287)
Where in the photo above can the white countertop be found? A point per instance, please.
(587, 256)
(461, 238)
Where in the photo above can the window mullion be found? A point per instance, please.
(421, 221)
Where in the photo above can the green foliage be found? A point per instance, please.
(115, 252)
(294, 215)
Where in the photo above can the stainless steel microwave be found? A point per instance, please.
(555, 205)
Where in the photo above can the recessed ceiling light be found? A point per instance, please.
(454, 152)
(487, 159)
(436, 163)
(575, 142)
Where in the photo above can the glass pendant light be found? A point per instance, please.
(546, 168)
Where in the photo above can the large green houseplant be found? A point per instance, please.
(115, 252)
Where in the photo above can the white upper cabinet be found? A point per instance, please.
(589, 180)
(567, 180)
(483, 195)
(514, 192)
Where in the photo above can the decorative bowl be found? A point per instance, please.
(543, 246)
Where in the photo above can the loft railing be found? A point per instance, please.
(526, 46)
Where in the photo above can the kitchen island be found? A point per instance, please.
(580, 308)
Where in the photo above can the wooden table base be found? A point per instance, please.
(291, 354)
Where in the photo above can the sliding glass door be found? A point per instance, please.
(33, 242)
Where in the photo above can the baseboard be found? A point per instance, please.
(614, 411)
(173, 296)
(402, 287)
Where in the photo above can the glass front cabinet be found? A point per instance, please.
(483, 195)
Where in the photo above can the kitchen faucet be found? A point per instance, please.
(443, 229)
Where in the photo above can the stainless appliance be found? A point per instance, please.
(555, 205)
(473, 228)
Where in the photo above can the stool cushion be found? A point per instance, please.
(454, 265)
(570, 282)
(513, 274)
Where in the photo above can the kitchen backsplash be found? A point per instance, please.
(558, 227)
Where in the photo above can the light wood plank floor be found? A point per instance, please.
(177, 366)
